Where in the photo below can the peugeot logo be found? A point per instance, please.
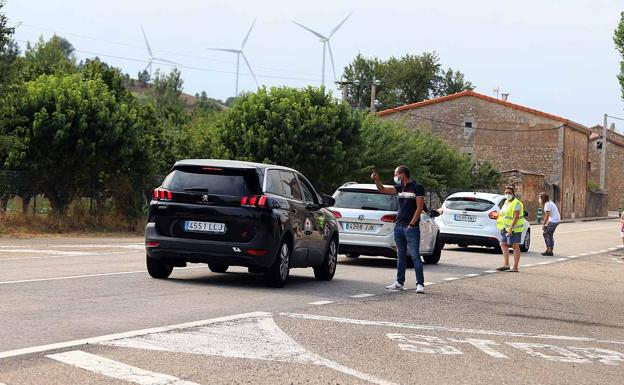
(204, 198)
(361, 217)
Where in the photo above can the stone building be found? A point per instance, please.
(614, 175)
(511, 137)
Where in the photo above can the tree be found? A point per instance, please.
(166, 90)
(305, 129)
(618, 39)
(74, 135)
(54, 56)
(408, 79)
(143, 78)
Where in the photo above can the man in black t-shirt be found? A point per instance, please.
(407, 227)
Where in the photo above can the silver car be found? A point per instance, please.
(366, 224)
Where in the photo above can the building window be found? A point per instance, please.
(468, 124)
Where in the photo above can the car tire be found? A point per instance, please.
(157, 268)
(524, 247)
(352, 256)
(277, 274)
(217, 267)
(326, 271)
(437, 252)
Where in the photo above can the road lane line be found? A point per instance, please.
(574, 256)
(90, 275)
(602, 251)
(561, 259)
(447, 329)
(583, 255)
(363, 295)
(593, 252)
(528, 265)
(472, 275)
(66, 256)
(490, 271)
(134, 333)
(450, 279)
(429, 283)
(114, 369)
(320, 303)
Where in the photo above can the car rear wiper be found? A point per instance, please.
(369, 208)
(199, 189)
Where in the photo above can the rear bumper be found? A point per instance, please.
(479, 240)
(181, 250)
(365, 244)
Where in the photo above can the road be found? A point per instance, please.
(83, 310)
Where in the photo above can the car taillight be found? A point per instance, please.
(389, 218)
(255, 201)
(160, 194)
(336, 214)
(493, 215)
(257, 253)
(151, 244)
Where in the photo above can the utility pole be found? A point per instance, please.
(373, 95)
(603, 154)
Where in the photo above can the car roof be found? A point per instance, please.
(225, 163)
(474, 194)
(359, 186)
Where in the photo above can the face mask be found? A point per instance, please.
(509, 197)
(397, 180)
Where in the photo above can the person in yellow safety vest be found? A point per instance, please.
(511, 223)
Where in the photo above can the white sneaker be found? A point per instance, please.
(395, 286)
(420, 289)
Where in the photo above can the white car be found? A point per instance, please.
(366, 224)
(469, 218)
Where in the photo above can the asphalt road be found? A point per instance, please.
(84, 311)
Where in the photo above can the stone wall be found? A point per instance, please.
(614, 178)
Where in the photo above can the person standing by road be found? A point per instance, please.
(622, 228)
(407, 225)
(511, 224)
(551, 221)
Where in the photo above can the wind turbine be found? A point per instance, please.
(326, 45)
(152, 58)
(239, 53)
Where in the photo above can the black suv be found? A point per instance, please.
(230, 213)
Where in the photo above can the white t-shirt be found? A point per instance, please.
(554, 212)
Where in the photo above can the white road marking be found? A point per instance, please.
(423, 344)
(528, 265)
(76, 254)
(573, 256)
(320, 303)
(251, 337)
(429, 283)
(561, 259)
(39, 251)
(490, 271)
(90, 275)
(363, 295)
(450, 279)
(136, 246)
(584, 254)
(593, 252)
(472, 275)
(448, 329)
(545, 263)
(602, 251)
(115, 369)
(584, 231)
(110, 337)
(562, 354)
(612, 248)
(484, 345)
(617, 260)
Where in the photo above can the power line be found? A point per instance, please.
(615, 117)
(477, 128)
(180, 65)
(157, 50)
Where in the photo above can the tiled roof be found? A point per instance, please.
(483, 97)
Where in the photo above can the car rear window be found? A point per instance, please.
(365, 200)
(468, 204)
(214, 181)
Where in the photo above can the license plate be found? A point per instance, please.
(465, 218)
(204, 227)
(360, 227)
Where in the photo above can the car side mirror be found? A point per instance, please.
(328, 201)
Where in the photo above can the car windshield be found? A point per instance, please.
(365, 200)
(218, 182)
(468, 204)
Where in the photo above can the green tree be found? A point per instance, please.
(166, 90)
(408, 79)
(618, 39)
(305, 129)
(54, 56)
(8, 79)
(74, 134)
(143, 78)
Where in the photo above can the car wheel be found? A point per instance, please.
(157, 268)
(217, 267)
(352, 256)
(437, 252)
(277, 274)
(527, 242)
(326, 271)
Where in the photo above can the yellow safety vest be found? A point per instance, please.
(506, 215)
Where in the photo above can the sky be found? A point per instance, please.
(553, 55)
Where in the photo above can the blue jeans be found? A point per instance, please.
(408, 239)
